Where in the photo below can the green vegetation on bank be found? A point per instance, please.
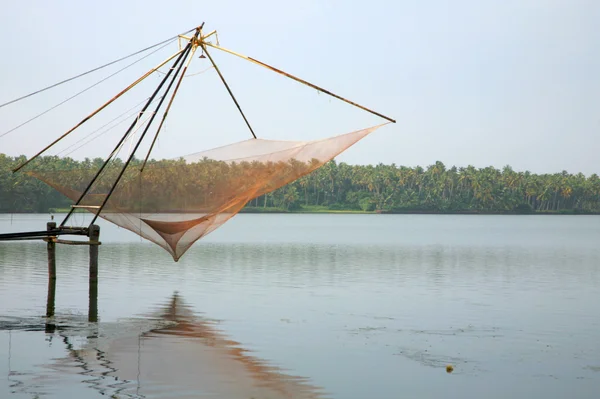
(347, 188)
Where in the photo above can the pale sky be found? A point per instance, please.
(476, 82)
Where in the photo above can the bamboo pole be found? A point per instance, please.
(89, 186)
(90, 116)
(169, 106)
(114, 185)
(304, 82)
(228, 89)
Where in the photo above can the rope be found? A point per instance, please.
(131, 134)
(190, 75)
(100, 128)
(92, 70)
(81, 92)
(118, 150)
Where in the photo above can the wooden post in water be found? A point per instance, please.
(51, 246)
(94, 235)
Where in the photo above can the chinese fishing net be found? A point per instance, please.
(173, 203)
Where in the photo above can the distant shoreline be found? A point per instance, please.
(408, 212)
(335, 188)
(270, 210)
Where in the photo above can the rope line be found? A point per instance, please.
(192, 74)
(100, 128)
(113, 157)
(82, 91)
(92, 70)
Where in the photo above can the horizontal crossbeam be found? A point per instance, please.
(36, 235)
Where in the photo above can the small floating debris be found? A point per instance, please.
(449, 368)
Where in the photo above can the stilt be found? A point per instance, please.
(51, 245)
(93, 305)
(94, 235)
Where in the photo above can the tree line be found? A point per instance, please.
(438, 189)
(340, 187)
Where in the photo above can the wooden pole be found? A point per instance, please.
(297, 79)
(151, 119)
(51, 246)
(118, 146)
(169, 106)
(90, 116)
(228, 89)
(94, 235)
(51, 253)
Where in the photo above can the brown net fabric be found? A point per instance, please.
(173, 203)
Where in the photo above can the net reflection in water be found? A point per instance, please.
(183, 356)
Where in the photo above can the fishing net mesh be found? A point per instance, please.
(173, 203)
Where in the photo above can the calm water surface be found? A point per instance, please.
(328, 306)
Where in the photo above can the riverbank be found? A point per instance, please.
(326, 210)
(342, 188)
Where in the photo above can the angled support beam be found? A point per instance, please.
(166, 113)
(304, 82)
(115, 150)
(175, 65)
(90, 116)
(228, 89)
